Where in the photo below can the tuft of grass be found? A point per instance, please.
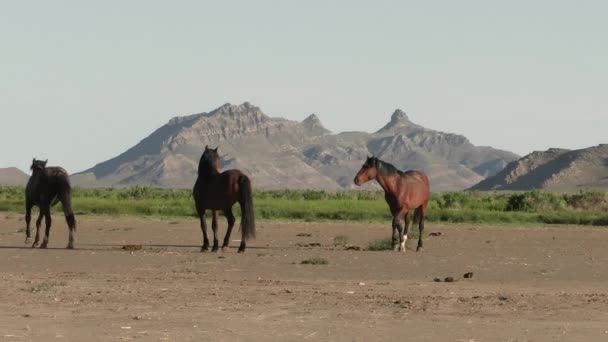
(46, 286)
(380, 245)
(315, 261)
(341, 241)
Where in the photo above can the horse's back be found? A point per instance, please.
(418, 177)
(416, 188)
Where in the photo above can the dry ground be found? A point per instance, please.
(529, 284)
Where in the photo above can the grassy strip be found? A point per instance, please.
(307, 205)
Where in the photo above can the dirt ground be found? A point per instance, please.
(529, 284)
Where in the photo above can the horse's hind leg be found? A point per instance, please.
(397, 233)
(421, 213)
(405, 229)
(214, 228)
(69, 218)
(38, 223)
(231, 220)
(46, 210)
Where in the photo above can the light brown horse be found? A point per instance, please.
(220, 191)
(403, 192)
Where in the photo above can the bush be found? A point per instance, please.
(315, 261)
(380, 245)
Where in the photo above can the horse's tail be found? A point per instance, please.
(246, 202)
(65, 197)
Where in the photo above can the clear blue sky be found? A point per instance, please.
(82, 81)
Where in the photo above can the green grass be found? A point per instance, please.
(530, 207)
(315, 261)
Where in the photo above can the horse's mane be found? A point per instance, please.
(388, 168)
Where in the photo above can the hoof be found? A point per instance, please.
(70, 246)
(215, 249)
(35, 244)
(43, 246)
(241, 250)
(205, 249)
(28, 240)
(419, 249)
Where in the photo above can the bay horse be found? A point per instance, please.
(220, 191)
(46, 187)
(403, 191)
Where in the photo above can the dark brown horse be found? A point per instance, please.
(46, 187)
(220, 191)
(403, 191)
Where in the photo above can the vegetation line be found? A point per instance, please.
(584, 208)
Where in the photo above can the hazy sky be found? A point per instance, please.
(82, 81)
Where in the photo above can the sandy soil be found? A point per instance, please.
(529, 284)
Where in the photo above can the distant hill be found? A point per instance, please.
(13, 176)
(554, 169)
(280, 153)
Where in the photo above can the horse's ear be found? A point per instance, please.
(46, 161)
(206, 147)
(33, 160)
(216, 149)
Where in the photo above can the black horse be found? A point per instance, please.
(220, 191)
(46, 187)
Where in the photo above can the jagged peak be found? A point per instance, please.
(399, 118)
(312, 118)
(243, 109)
(312, 122)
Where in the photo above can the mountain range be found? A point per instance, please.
(554, 169)
(278, 153)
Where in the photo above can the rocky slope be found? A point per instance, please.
(554, 169)
(280, 153)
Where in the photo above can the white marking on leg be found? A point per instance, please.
(403, 243)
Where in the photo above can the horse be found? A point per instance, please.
(46, 187)
(403, 191)
(217, 191)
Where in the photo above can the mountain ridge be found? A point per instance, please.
(282, 153)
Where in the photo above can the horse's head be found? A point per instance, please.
(368, 171)
(212, 156)
(38, 165)
(209, 159)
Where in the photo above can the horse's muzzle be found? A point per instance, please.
(356, 180)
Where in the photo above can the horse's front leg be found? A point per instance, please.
(214, 227)
(28, 218)
(205, 246)
(231, 220)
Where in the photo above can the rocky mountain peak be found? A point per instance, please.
(233, 111)
(399, 119)
(399, 116)
(313, 123)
